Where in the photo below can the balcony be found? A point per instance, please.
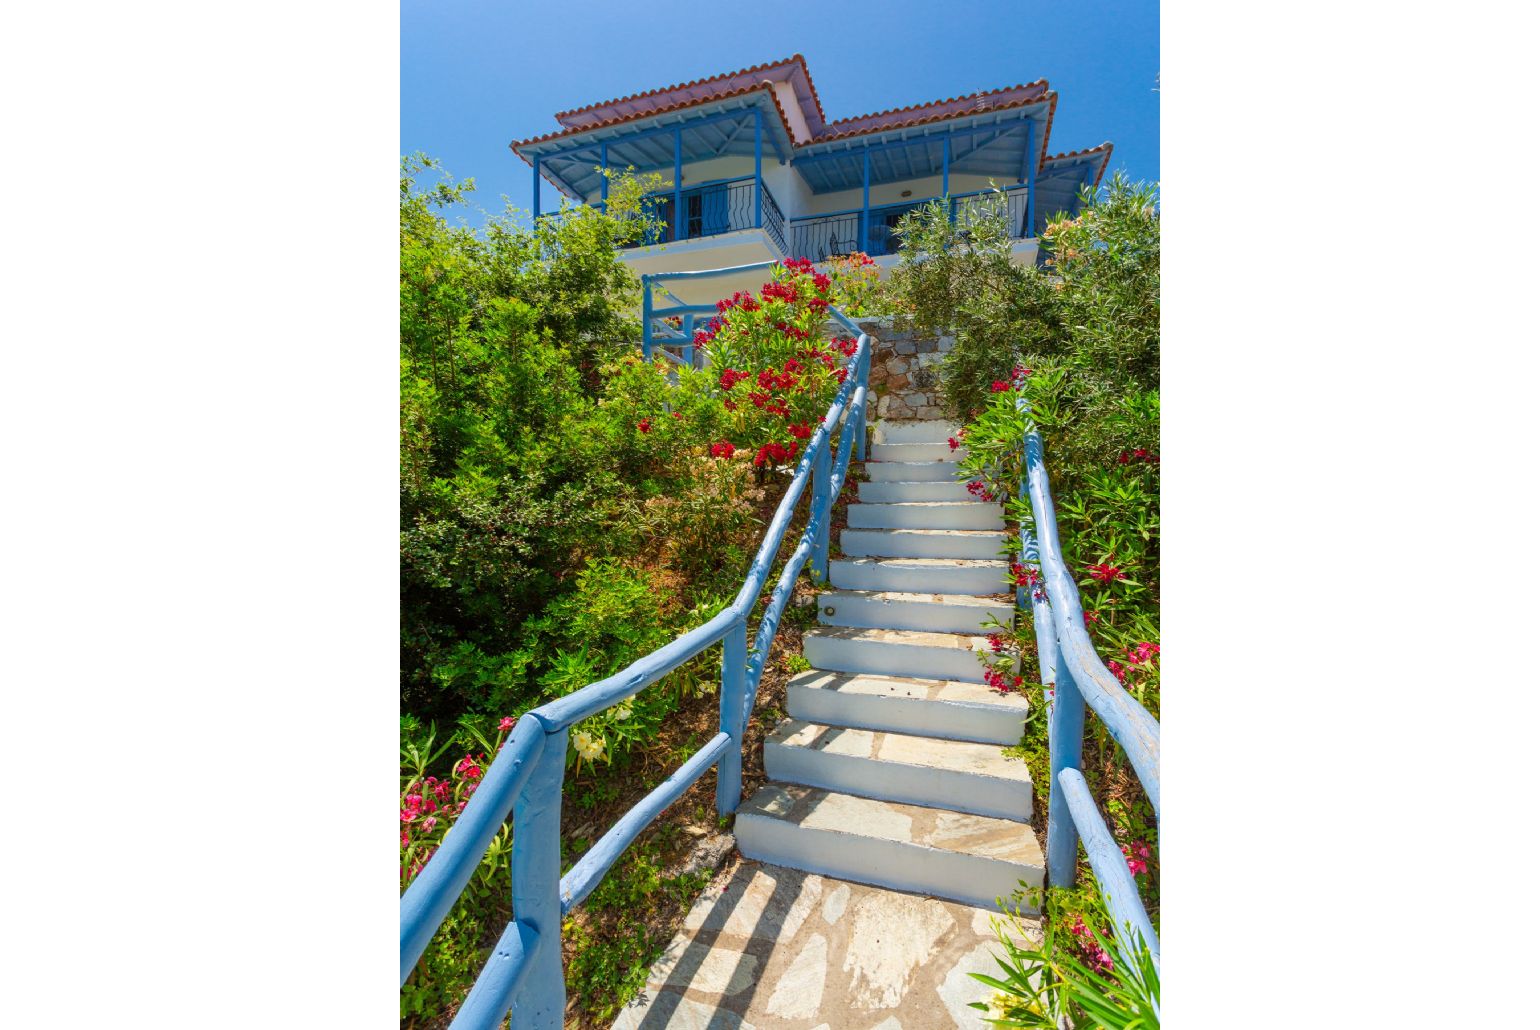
(714, 209)
(821, 237)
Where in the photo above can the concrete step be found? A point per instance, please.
(920, 575)
(926, 771)
(926, 515)
(911, 471)
(891, 493)
(926, 431)
(895, 652)
(920, 543)
(916, 452)
(969, 858)
(891, 609)
(952, 709)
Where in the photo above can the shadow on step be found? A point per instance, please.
(711, 980)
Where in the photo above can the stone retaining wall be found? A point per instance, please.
(906, 372)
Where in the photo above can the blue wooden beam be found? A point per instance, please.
(535, 201)
(759, 188)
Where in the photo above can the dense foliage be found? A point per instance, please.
(1072, 348)
(567, 508)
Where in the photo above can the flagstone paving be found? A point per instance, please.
(771, 948)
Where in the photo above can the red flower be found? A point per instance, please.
(722, 450)
(999, 386)
(951, 442)
(732, 377)
(645, 425)
(1104, 573)
(505, 724)
(800, 430)
(729, 405)
(468, 768)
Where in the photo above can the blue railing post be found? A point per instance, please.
(1066, 727)
(647, 318)
(863, 376)
(821, 507)
(688, 325)
(735, 660)
(534, 202)
(541, 998)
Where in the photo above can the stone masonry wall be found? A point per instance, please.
(906, 372)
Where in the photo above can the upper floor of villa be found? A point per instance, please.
(754, 170)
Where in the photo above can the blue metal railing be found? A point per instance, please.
(821, 237)
(1074, 676)
(524, 973)
(713, 208)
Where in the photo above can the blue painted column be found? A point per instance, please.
(535, 201)
(604, 177)
(678, 184)
(759, 185)
(1030, 173)
(735, 660)
(1066, 728)
(946, 168)
(688, 326)
(820, 508)
(541, 996)
(866, 197)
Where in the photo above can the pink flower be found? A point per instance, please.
(505, 724)
(1137, 855)
(1118, 671)
(468, 768)
(428, 824)
(951, 442)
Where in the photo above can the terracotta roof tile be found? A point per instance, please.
(651, 113)
(1026, 94)
(794, 62)
(1102, 148)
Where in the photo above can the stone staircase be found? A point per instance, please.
(889, 773)
(889, 770)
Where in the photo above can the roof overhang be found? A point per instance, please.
(1059, 183)
(645, 141)
(992, 143)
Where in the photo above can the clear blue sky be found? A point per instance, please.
(475, 75)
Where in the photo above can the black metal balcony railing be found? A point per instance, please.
(712, 209)
(820, 237)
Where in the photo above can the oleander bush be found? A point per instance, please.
(567, 508)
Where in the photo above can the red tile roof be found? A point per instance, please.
(1104, 148)
(667, 99)
(728, 86)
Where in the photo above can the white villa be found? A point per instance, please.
(757, 173)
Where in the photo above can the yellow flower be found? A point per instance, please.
(588, 746)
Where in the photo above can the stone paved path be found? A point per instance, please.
(771, 948)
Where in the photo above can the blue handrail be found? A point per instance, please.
(1079, 678)
(524, 972)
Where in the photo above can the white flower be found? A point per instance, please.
(623, 712)
(588, 746)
